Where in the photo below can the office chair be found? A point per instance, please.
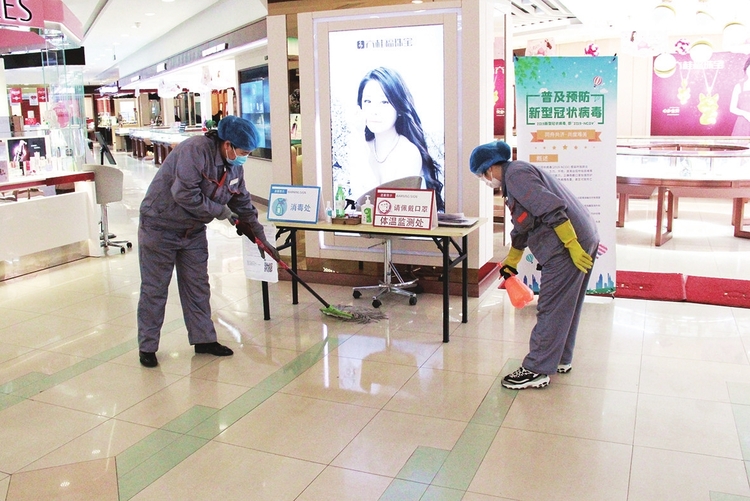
(108, 188)
(388, 285)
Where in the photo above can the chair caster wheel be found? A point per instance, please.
(412, 301)
(122, 250)
(357, 294)
(130, 246)
(376, 303)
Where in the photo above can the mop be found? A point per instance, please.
(344, 312)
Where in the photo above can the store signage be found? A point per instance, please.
(33, 100)
(28, 13)
(41, 93)
(403, 208)
(294, 203)
(214, 49)
(16, 95)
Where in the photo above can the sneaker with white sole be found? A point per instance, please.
(564, 368)
(523, 378)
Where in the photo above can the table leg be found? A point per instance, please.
(738, 218)
(622, 209)
(662, 237)
(295, 288)
(465, 281)
(266, 301)
(446, 288)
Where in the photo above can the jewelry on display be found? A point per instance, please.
(375, 149)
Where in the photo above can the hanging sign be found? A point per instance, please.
(16, 95)
(41, 93)
(404, 208)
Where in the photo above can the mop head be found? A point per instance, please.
(352, 314)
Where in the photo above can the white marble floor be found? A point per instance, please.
(657, 405)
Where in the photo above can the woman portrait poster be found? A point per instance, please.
(387, 111)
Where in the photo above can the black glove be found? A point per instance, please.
(245, 229)
(507, 271)
(271, 250)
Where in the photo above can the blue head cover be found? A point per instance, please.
(238, 131)
(486, 155)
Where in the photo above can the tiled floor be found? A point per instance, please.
(311, 408)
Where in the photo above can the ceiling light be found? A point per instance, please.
(735, 34)
(664, 13)
(149, 14)
(701, 51)
(416, 1)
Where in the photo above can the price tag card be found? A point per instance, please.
(291, 203)
(405, 208)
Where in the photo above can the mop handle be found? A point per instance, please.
(282, 264)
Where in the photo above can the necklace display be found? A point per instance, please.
(375, 149)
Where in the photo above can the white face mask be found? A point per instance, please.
(494, 183)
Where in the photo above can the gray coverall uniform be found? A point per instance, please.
(190, 189)
(538, 203)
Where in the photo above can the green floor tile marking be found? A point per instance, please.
(739, 393)
(423, 465)
(403, 490)
(720, 496)
(463, 461)
(495, 406)
(146, 461)
(190, 419)
(230, 414)
(58, 377)
(291, 370)
(17, 384)
(138, 453)
(117, 351)
(742, 422)
(8, 400)
(157, 465)
(442, 494)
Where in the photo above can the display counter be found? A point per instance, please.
(161, 140)
(43, 231)
(683, 167)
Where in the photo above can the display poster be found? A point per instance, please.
(22, 149)
(15, 94)
(710, 98)
(567, 124)
(387, 107)
(499, 97)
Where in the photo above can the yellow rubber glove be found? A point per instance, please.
(567, 235)
(514, 257)
(510, 264)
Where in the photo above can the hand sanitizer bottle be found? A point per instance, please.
(367, 211)
(329, 212)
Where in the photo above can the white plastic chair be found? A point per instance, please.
(108, 183)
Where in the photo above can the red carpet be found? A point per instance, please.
(719, 291)
(652, 286)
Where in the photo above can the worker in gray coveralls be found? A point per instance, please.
(562, 235)
(202, 179)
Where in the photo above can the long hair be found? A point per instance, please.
(407, 123)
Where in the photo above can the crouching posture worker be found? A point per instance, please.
(202, 179)
(562, 235)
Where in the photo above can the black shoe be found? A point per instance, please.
(148, 359)
(214, 348)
